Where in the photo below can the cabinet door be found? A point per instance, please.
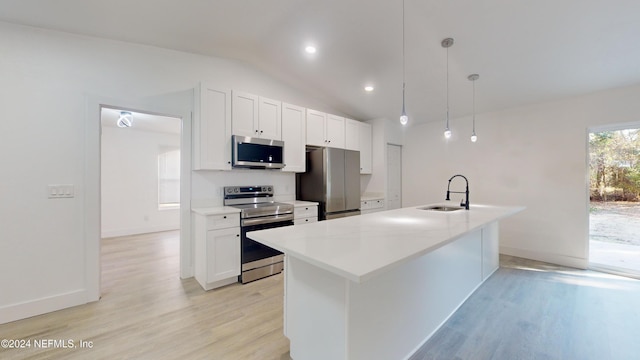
(335, 131)
(245, 114)
(352, 135)
(223, 254)
(212, 129)
(366, 158)
(293, 135)
(315, 128)
(269, 119)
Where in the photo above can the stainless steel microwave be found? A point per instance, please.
(256, 153)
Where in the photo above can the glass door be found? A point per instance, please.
(614, 200)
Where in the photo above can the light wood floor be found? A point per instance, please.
(526, 310)
(533, 310)
(147, 312)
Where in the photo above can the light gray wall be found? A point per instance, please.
(129, 182)
(47, 78)
(383, 132)
(534, 156)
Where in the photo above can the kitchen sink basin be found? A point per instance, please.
(442, 208)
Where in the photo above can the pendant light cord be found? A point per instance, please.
(403, 60)
(474, 107)
(403, 45)
(447, 87)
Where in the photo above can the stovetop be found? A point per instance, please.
(263, 209)
(255, 201)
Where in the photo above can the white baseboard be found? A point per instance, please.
(139, 230)
(45, 305)
(546, 257)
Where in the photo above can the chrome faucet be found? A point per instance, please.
(464, 203)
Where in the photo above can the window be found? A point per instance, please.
(169, 179)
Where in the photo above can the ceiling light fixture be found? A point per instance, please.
(447, 43)
(368, 88)
(473, 78)
(310, 49)
(404, 119)
(125, 120)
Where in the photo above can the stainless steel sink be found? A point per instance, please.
(442, 208)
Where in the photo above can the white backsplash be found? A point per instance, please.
(206, 187)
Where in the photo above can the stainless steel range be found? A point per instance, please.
(258, 212)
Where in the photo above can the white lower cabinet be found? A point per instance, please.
(305, 214)
(217, 249)
(371, 206)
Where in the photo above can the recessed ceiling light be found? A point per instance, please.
(368, 88)
(310, 49)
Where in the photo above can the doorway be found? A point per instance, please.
(394, 176)
(614, 199)
(140, 173)
(140, 176)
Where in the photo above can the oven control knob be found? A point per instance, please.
(269, 189)
(229, 190)
(236, 190)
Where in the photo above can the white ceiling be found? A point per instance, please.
(525, 51)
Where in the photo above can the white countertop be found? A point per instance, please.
(371, 196)
(216, 210)
(360, 247)
(298, 203)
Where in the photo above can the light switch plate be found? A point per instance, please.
(59, 191)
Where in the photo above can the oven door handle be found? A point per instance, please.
(266, 220)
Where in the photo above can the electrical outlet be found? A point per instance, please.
(59, 191)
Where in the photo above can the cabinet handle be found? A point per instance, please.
(224, 217)
(237, 235)
(256, 131)
(306, 208)
(261, 131)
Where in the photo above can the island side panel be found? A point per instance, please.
(490, 249)
(392, 315)
(315, 312)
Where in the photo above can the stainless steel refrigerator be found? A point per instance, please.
(332, 179)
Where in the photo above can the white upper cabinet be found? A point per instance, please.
(270, 118)
(245, 114)
(366, 158)
(293, 135)
(212, 129)
(358, 137)
(335, 131)
(352, 134)
(256, 116)
(315, 128)
(325, 129)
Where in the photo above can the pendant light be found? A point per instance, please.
(447, 43)
(404, 119)
(473, 78)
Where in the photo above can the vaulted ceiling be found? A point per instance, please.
(525, 51)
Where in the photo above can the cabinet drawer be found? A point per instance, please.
(305, 212)
(223, 221)
(371, 204)
(308, 220)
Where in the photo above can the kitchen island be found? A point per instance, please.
(377, 286)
